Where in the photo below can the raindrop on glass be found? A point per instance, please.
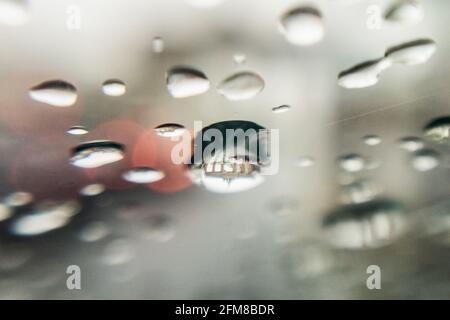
(438, 130)
(241, 86)
(57, 93)
(362, 75)
(352, 162)
(372, 140)
(5, 212)
(18, 199)
(281, 109)
(413, 52)
(94, 231)
(185, 82)
(405, 11)
(157, 45)
(169, 130)
(359, 191)
(92, 189)
(239, 58)
(114, 87)
(302, 26)
(411, 144)
(118, 252)
(425, 160)
(77, 131)
(94, 154)
(304, 162)
(158, 228)
(143, 175)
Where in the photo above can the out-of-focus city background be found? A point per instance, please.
(350, 191)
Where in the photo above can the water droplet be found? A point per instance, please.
(13, 12)
(94, 231)
(18, 199)
(281, 109)
(241, 86)
(372, 140)
(114, 87)
(368, 225)
(92, 189)
(405, 11)
(411, 144)
(77, 131)
(425, 160)
(157, 45)
(158, 228)
(362, 75)
(45, 218)
(359, 191)
(57, 93)
(94, 154)
(413, 52)
(169, 130)
(239, 58)
(143, 175)
(304, 162)
(118, 252)
(438, 130)
(5, 212)
(352, 162)
(302, 26)
(185, 82)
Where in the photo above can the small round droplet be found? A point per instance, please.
(411, 144)
(438, 130)
(352, 162)
(241, 86)
(183, 82)
(13, 12)
(239, 58)
(114, 87)
(18, 199)
(372, 140)
(157, 45)
(92, 189)
(304, 162)
(425, 160)
(94, 231)
(57, 93)
(143, 175)
(405, 11)
(281, 109)
(302, 26)
(413, 52)
(5, 212)
(94, 154)
(77, 131)
(362, 75)
(169, 130)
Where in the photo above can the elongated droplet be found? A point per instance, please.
(405, 11)
(185, 82)
(13, 12)
(143, 175)
(362, 75)
(77, 131)
(241, 86)
(281, 109)
(169, 130)
(413, 52)
(411, 144)
(372, 140)
(157, 45)
(57, 93)
(94, 154)
(302, 26)
(438, 130)
(114, 87)
(425, 160)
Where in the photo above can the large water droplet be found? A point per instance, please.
(114, 87)
(413, 52)
(169, 130)
(405, 11)
(425, 160)
(352, 162)
(302, 26)
(143, 175)
(77, 131)
(94, 154)
(241, 86)
(13, 12)
(411, 144)
(362, 75)
(281, 109)
(157, 45)
(185, 82)
(57, 93)
(438, 130)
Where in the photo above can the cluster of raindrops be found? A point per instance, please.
(368, 73)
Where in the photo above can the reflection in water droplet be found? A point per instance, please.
(143, 175)
(117, 252)
(367, 225)
(169, 130)
(94, 154)
(185, 82)
(158, 228)
(239, 58)
(425, 160)
(18, 199)
(359, 191)
(13, 12)
(157, 45)
(77, 131)
(372, 140)
(438, 130)
(57, 93)
(362, 75)
(304, 162)
(411, 144)
(92, 189)
(94, 231)
(114, 87)
(5, 212)
(302, 26)
(413, 52)
(352, 162)
(281, 109)
(405, 11)
(241, 86)
(46, 217)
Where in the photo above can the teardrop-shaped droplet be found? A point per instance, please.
(241, 86)
(185, 82)
(77, 131)
(362, 75)
(143, 175)
(13, 12)
(372, 140)
(281, 109)
(114, 87)
(57, 93)
(413, 52)
(169, 130)
(352, 162)
(405, 11)
(438, 130)
(411, 144)
(157, 45)
(425, 160)
(92, 189)
(97, 153)
(302, 26)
